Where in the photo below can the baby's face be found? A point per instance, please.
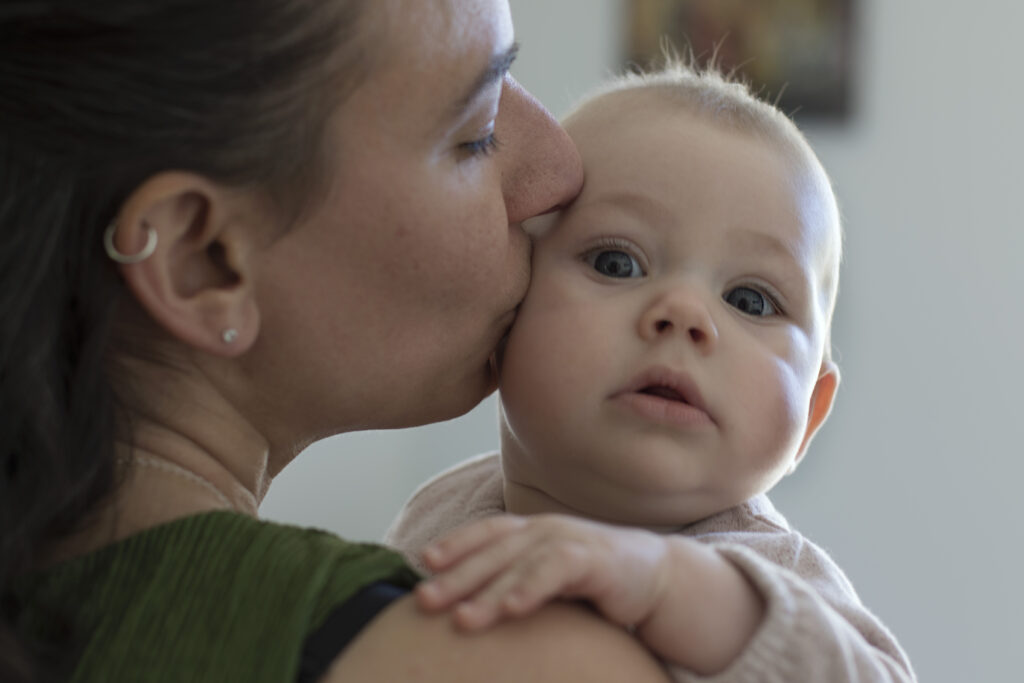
(663, 364)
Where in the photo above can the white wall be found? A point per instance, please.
(913, 484)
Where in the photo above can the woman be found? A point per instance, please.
(232, 228)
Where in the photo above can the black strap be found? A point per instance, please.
(324, 645)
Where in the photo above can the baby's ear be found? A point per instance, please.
(822, 396)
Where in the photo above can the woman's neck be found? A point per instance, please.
(187, 451)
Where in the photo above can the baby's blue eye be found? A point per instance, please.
(615, 263)
(750, 301)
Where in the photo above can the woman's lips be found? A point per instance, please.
(665, 395)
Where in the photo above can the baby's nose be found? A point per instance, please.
(680, 312)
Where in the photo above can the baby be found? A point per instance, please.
(669, 365)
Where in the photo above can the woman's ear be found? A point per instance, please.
(198, 282)
(822, 397)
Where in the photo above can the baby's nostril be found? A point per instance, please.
(662, 325)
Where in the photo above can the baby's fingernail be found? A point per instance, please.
(432, 554)
(468, 614)
(514, 601)
(429, 590)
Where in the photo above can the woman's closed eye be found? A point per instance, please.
(614, 263)
(480, 147)
(751, 301)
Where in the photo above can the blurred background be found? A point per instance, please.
(915, 108)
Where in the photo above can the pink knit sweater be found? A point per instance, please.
(815, 629)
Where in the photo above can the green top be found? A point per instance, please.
(213, 597)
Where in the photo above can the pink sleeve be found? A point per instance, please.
(815, 626)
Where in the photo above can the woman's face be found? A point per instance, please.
(383, 306)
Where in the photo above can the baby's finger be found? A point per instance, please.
(489, 605)
(471, 574)
(537, 577)
(452, 548)
(553, 572)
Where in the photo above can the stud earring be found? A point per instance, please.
(128, 259)
(229, 335)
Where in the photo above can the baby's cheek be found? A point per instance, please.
(552, 336)
(529, 372)
(780, 407)
(549, 372)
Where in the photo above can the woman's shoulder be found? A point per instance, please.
(561, 642)
(216, 596)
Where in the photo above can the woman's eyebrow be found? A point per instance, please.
(496, 69)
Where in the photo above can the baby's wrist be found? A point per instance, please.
(708, 614)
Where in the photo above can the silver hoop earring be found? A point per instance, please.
(128, 259)
(229, 335)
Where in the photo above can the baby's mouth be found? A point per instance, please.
(663, 392)
(662, 388)
(666, 397)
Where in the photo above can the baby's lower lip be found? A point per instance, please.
(664, 410)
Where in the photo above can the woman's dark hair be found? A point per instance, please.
(95, 97)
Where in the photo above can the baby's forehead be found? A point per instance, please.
(604, 128)
(610, 113)
(658, 170)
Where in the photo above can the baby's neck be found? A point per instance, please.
(521, 499)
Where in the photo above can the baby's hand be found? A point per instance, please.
(509, 566)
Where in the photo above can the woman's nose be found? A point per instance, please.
(541, 168)
(680, 313)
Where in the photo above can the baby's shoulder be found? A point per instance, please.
(757, 525)
(465, 492)
(478, 478)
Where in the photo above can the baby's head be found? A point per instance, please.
(671, 358)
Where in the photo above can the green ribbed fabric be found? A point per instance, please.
(214, 597)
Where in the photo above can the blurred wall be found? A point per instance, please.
(913, 484)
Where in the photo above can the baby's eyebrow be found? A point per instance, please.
(761, 243)
(642, 205)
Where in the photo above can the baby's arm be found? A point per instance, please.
(690, 606)
(813, 626)
(814, 629)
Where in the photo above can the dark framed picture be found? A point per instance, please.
(796, 51)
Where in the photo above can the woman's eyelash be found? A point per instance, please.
(482, 147)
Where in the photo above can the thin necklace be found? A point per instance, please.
(172, 468)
